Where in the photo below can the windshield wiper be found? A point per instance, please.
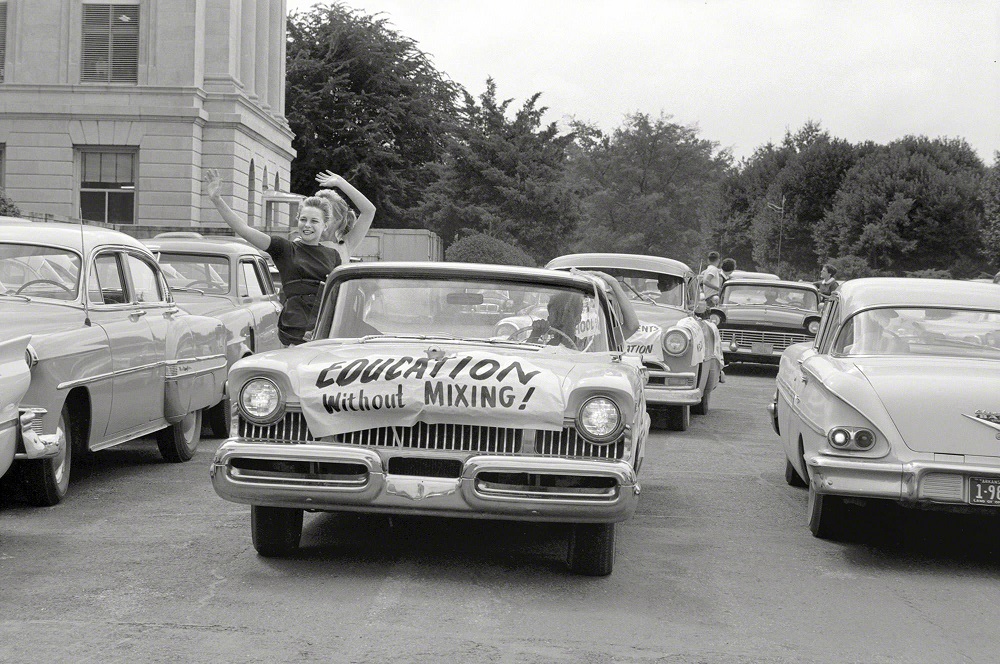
(644, 298)
(185, 289)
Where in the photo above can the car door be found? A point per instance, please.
(256, 291)
(137, 398)
(150, 292)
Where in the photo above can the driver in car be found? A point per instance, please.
(565, 311)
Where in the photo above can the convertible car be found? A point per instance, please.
(680, 350)
(112, 356)
(225, 279)
(405, 404)
(758, 319)
(897, 399)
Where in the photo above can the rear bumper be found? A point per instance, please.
(925, 482)
(355, 479)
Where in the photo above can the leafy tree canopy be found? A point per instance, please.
(482, 248)
(366, 103)
(7, 207)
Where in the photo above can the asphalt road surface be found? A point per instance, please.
(144, 563)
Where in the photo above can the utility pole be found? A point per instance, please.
(781, 222)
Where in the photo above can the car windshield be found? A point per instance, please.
(209, 274)
(645, 286)
(768, 295)
(934, 331)
(38, 271)
(464, 309)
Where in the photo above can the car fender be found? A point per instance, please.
(196, 365)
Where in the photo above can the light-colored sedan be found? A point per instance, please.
(112, 356)
(897, 399)
(406, 404)
(228, 280)
(679, 348)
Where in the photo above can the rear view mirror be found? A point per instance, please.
(464, 299)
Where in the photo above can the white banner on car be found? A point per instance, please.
(475, 388)
(646, 341)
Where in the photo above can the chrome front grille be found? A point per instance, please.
(292, 428)
(746, 338)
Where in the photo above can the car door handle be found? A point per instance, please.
(135, 314)
(802, 372)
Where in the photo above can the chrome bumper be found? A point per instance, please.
(685, 392)
(368, 487)
(911, 483)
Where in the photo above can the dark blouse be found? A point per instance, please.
(303, 269)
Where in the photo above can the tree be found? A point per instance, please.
(366, 103)
(503, 176)
(8, 208)
(482, 248)
(989, 195)
(650, 187)
(908, 206)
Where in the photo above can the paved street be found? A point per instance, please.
(143, 562)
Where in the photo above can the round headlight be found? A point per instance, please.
(864, 439)
(715, 318)
(813, 326)
(260, 401)
(840, 438)
(599, 420)
(676, 342)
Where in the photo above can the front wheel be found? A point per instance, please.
(179, 441)
(792, 477)
(218, 419)
(46, 481)
(592, 549)
(678, 418)
(276, 531)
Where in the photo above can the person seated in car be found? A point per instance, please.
(565, 311)
(771, 296)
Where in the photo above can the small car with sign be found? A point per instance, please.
(679, 348)
(111, 355)
(403, 403)
(225, 279)
(897, 399)
(759, 318)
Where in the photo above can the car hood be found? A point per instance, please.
(36, 317)
(354, 386)
(764, 316)
(933, 402)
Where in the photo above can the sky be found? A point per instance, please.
(744, 72)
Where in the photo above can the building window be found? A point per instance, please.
(110, 44)
(3, 38)
(107, 186)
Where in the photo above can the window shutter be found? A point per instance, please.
(110, 44)
(3, 38)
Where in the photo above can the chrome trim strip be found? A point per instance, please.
(69, 384)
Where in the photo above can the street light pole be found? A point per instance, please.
(781, 223)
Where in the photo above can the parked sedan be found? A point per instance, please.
(14, 379)
(405, 405)
(897, 399)
(228, 280)
(759, 318)
(112, 356)
(678, 347)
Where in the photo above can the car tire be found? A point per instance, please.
(592, 549)
(179, 441)
(701, 408)
(827, 515)
(276, 531)
(678, 417)
(44, 482)
(792, 477)
(218, 419)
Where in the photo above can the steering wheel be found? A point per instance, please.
(554, 331)
(209, 285)
(43, 281)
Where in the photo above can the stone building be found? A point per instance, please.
(110, 111)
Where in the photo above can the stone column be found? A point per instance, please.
(276, 70)
(263, 59)
(248, 53)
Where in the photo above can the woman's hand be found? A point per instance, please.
(328, 179)
(213, 182)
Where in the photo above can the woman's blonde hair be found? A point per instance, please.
(337, 214)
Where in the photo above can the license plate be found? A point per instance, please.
(984, 490)
(761, 348)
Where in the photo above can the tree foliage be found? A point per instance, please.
(649, 187)
(365, 102)
(482, 248)
(8, 208)
(502, 176)
(989, 196)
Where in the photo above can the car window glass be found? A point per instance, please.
(829, 325)
(265, 277)
(249, 280)
(197, 272)
(106, 285)
(144, 280)
(39, 271)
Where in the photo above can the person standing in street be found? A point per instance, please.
(827, 283)
(711, 278)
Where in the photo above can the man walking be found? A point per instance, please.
(711, 277)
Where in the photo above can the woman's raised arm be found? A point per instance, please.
(366, 210)
(213, 184)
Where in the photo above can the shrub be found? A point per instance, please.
(7, 207)
(482, 248)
